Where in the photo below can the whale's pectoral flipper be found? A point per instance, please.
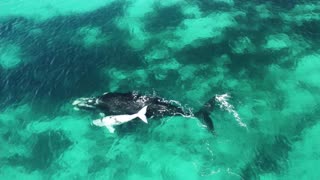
(110, 128)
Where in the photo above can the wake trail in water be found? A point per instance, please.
(224, 104)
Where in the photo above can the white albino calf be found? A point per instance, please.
(110, 121)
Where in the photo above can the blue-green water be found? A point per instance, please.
(264, 55)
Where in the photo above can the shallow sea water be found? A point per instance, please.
(264, 55)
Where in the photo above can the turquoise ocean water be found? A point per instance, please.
(260, 58)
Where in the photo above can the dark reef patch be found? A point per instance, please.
(203, 53)
(47, 148)
(59, 69)
(207, 5)
(270, 158)
(163, 18)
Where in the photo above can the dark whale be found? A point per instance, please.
(130, 103)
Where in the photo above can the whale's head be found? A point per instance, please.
(85, 104)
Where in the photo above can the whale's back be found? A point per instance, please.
(129, 103)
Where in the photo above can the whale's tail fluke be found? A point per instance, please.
(142, 114)
(204, 114)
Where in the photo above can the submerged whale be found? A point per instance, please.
(130, 103)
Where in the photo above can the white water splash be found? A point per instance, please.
(223, 103)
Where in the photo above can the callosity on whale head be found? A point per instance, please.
(84, 103)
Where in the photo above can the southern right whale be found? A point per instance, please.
(114, 103)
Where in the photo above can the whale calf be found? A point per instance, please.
(110, 121)
(114, 103)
